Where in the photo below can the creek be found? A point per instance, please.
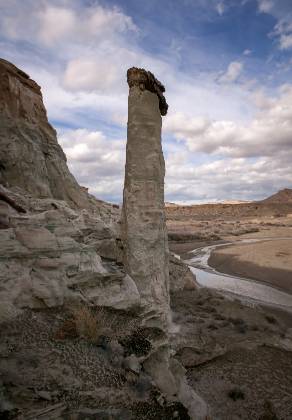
(251, 291)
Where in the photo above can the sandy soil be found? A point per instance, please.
(245, 376)
(269, 262)
(234, 355)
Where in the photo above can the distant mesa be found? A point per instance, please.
(281, 197)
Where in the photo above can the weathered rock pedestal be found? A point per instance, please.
(144, 234)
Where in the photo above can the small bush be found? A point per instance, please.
(87, 323)
(239, 324)
(242, 328)
(136, 343)
(269, 412)
(67, 330)
(271, 319)
(236, 394)
(212, 326)
(255, 327)
(220, 317)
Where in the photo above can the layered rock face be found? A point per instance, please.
(50, 256)
(30, 156)
(52, 232)
(144, 232)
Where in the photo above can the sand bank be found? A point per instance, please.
(269, 262)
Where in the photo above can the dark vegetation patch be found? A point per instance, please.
(271, 319)
(236, 394)
(239, 324)
(136, 343)
(158, 409)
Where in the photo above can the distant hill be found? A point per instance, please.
(281, 197)
(234, 202)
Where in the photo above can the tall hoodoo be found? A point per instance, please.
(143, 218)
(144, 234)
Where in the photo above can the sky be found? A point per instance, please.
(226, 66)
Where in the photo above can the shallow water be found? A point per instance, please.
(246, 288)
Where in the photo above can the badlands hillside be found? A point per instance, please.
(75, 339)
(281, 197)
(221, 220)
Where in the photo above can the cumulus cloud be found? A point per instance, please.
(266, 6)
(214, 159)
(233, 178)
(220, 7)
(84, 146)
(283, 30)
(286, 41)
(269, 134)
(82, 70)
(96, 161)
(281, 10)
(90, 74)
(232, 73)
(80, 57)
(55, 23)
(51, 24)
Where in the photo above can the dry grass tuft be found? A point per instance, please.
(92, 323)
(88, 323)
(67, 330)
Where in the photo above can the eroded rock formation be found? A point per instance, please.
(144, 232)
(30, 156)
(58, 249)
(52, 232)
(145, 80)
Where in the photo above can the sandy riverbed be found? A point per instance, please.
(269, 261)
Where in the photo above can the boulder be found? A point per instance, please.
(180, 276)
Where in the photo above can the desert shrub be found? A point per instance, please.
(136, 343)
(269, 412)
(209, 309)
(67, 330)
(220, 317)
(183, 237)
(236, 394)
(91, 323)
(242, 328)
(271, 319)
(239, 324)
(255, 327)
(212, 326)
